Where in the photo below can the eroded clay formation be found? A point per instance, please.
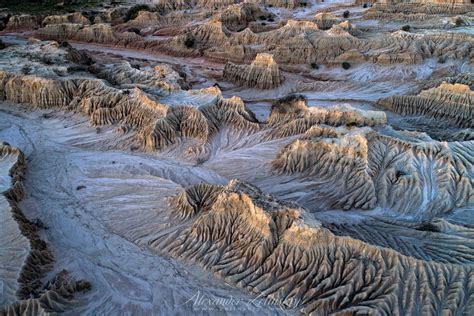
(260, 244)
(451, 102)
(296, 42)
(319, 155)
(263, 73)
(362, 168)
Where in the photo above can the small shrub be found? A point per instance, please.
(263, 23)
(314, 66)
(346, 65)
(133, 12)
(428, 227)
(365, 5)
(47, 60)
(189, 41)
(134, 30)
(76, 68)
(406, 28)
(441, 59)
(64, 44)
(346, 14)
(60, 71)
(271, 20)
(289, 99)
(459, 21)
(26, 69)
(2, 45)
(262, 17)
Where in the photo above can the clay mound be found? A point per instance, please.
(337, 157)
(237, 17)
(448, 45)
(316, 46)
(162, 79)
(75, 56)
(101, 102)
(29, 294)
(211, 33)
(106, 105)
(351, 165)
(145, 19)
(291, 116)
(290, 30)
(149, 22)
(102, 33)
(297, 42)
(462, 78)
(373, 14)
(22, 22)
(325, 20)
(163, 21)
(45, 59)
(257, 243)
(215, 4)
(200, 124)
(288, 4)
(432, 240)
(157, 125)
(74, 18)
(171, 5)
(37, 91)
(349, 27)
(450, 102)
(263, 73)
(438, 7)
(97, 33)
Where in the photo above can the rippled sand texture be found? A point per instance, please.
(260, 151)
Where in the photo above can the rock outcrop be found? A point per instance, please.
(263, 73)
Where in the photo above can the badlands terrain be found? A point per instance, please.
(225, 157)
